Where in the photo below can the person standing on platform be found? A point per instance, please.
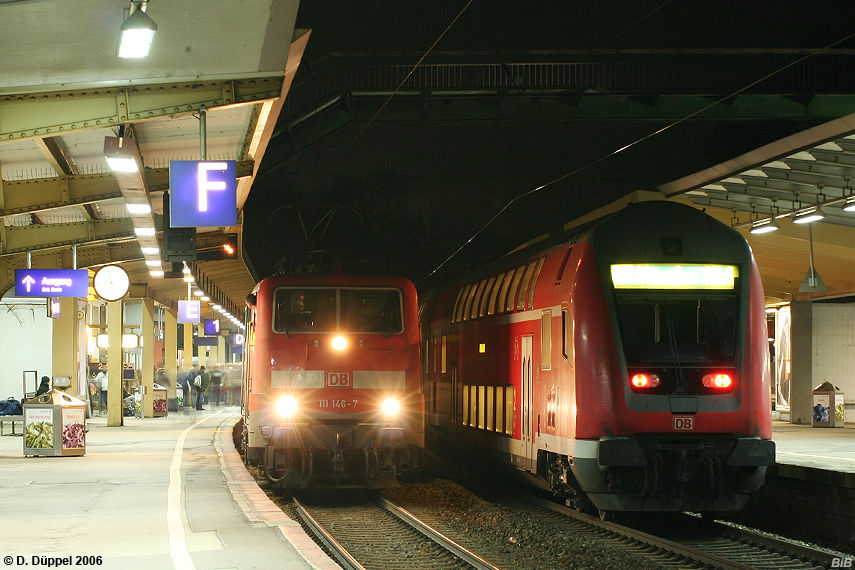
(216, 386)
(200, 384)
(101, 381)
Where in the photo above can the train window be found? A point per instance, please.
(565, 334)
(503, 292)
(426, 356)
(304, 310)
(482, 405)
(482, 307)
(454, 311)
(444, 354)
(685, 328)
(546, 340)
(371, 311)
(458, 311)
(534, 282)
(467, 305)
(476, 301)
(500, 410)
(497, 286)
(473, 406)
(529, 271)
(509, 410)
(491, 400)
(465, 404)
(512, 292)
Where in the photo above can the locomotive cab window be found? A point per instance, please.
(317, 310)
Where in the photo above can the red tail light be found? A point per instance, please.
(718, 381)
(644, 381)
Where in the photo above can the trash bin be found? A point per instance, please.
(159, 401)
(55, 424)
(828, 409)
(179, 398)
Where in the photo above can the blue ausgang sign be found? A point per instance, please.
(202, 193)
(51, 282)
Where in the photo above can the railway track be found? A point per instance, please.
(384, 535)
(704, 544)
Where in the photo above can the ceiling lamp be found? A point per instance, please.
(764, 226)
(850, 204)
(809, 216)
(137, 32)
(812, 282)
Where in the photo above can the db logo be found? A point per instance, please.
(338, 379)
(684, 423)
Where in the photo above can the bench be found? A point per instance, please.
(13, 420)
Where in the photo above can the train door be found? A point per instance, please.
(526, 402)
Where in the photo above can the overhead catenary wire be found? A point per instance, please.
(630, 145)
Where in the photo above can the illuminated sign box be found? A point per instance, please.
(674, 276)
(202, 193)
(212, 327)
(205, 341)
(189, 311)
(51, 282)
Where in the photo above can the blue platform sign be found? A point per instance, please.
(189, 311)
(51, 282)
(202, 193)
(212, 327)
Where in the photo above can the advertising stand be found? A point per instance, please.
(159, 400)
(55, 424)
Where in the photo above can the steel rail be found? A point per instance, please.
(341, 554)
(457, 549)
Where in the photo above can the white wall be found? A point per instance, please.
(26, 340)
(834, 348)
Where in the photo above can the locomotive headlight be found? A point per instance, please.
(390, 407)
(339, 343)
(644, 381)
(720, 381)
(286, 406)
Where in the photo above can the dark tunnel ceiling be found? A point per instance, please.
(399, 195)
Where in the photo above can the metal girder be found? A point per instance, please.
(50, 113)
(45, 236)
(30, 196)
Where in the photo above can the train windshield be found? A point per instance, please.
(317, 310)
(680, 328)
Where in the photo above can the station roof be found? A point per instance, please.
(809, 170)
(64, 91)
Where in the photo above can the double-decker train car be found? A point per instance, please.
(623, 364)
(331, 381)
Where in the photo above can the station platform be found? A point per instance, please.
(167, 492)
(832, 449)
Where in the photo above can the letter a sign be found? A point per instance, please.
(202, 193)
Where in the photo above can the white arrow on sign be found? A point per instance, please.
(28, 281)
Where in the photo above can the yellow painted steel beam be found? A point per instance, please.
(39, 114)
(31, 196)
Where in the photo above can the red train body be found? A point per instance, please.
(331, 380)
(624, 364)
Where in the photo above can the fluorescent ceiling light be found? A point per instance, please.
(198, 293)
(137, 34)
(139, 208)
(765, 226)
(152, 262)
(808, 217)
(122, 164)
(144, 231)
(156, 272)
(151, 251)
(850, 205)
(205, 298)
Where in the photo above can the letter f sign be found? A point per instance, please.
(202, 193)
(205, 185)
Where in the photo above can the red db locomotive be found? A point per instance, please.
(331, 380)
